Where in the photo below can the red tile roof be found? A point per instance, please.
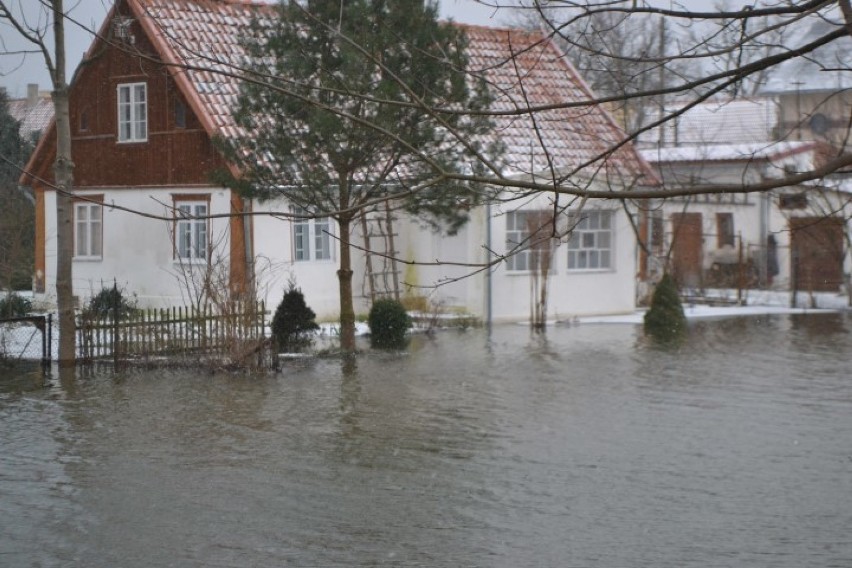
(524, 69)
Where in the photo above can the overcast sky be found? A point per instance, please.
(16, 71)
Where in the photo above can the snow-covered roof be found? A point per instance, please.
(34, 113)
(206, 35)
(717, 122)
(727, 152)
(829, 68)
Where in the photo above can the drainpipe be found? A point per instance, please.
(248, 244)
(489, 271)
(764, 233)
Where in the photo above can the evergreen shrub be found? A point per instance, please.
(108, 302)
(14, 306)
(665, 318)
(388, 323)
(293, 321)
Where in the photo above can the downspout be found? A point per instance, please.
(489, 271)
(248, 221)
(764, 234)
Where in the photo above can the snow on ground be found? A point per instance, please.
(757, 303)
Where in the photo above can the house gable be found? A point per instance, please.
(177, 149)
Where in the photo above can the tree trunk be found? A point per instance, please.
(64, 172)
(344, 276)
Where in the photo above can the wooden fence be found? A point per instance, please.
(236, 331)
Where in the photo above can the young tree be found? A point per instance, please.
(63, 165)
(359, 121)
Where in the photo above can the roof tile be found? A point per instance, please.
(523, 68)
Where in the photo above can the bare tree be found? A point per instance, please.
(63, 165)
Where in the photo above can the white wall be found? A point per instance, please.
(275, 266)
(137, 250)
(571, 292)
(465, 285)
(448, 269)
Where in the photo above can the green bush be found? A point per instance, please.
(14, 306)
(108, 302)
(665, 319)
(388, 323)
(293, 321)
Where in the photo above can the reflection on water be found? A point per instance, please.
(587, 446)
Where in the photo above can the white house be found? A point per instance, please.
(782, 239)
(149, 99)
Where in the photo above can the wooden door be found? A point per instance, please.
(817, 253)
(687, 247)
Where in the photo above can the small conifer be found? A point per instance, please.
(293, 321)
(665, 318)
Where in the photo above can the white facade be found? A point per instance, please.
(754, 216)
(449, 271)
(139, 253)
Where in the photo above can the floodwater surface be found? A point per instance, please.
(587, 446)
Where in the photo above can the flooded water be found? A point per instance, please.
(587, 447)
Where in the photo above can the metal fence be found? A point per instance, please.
(27, 338)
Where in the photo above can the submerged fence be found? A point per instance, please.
(232, 333)
(26, 338)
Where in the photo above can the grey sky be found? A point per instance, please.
(16, 71)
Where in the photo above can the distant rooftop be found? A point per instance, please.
(726, 152)
(739, 121)
(34, 112)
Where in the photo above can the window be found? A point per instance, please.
(180, 114)
(793, 201)
(657, 232)
(527, 239)
(88, 230)
(724, 229)
(590, 244)
(311, 238)
(133, 112)
(190, 231)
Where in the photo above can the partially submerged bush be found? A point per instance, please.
(388, 323)
(110, 302)
(665, 319)
(293, 321)
(14, 306)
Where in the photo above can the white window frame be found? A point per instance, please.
(521, 247)
(591, 245)
(312, 238)
(88, 231)
(132, 99)
(192, 234)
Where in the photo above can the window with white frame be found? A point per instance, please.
(590, 243)
(88, 230)
(528, 239)
(191, 230)
(133, 112)
(311, 238)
